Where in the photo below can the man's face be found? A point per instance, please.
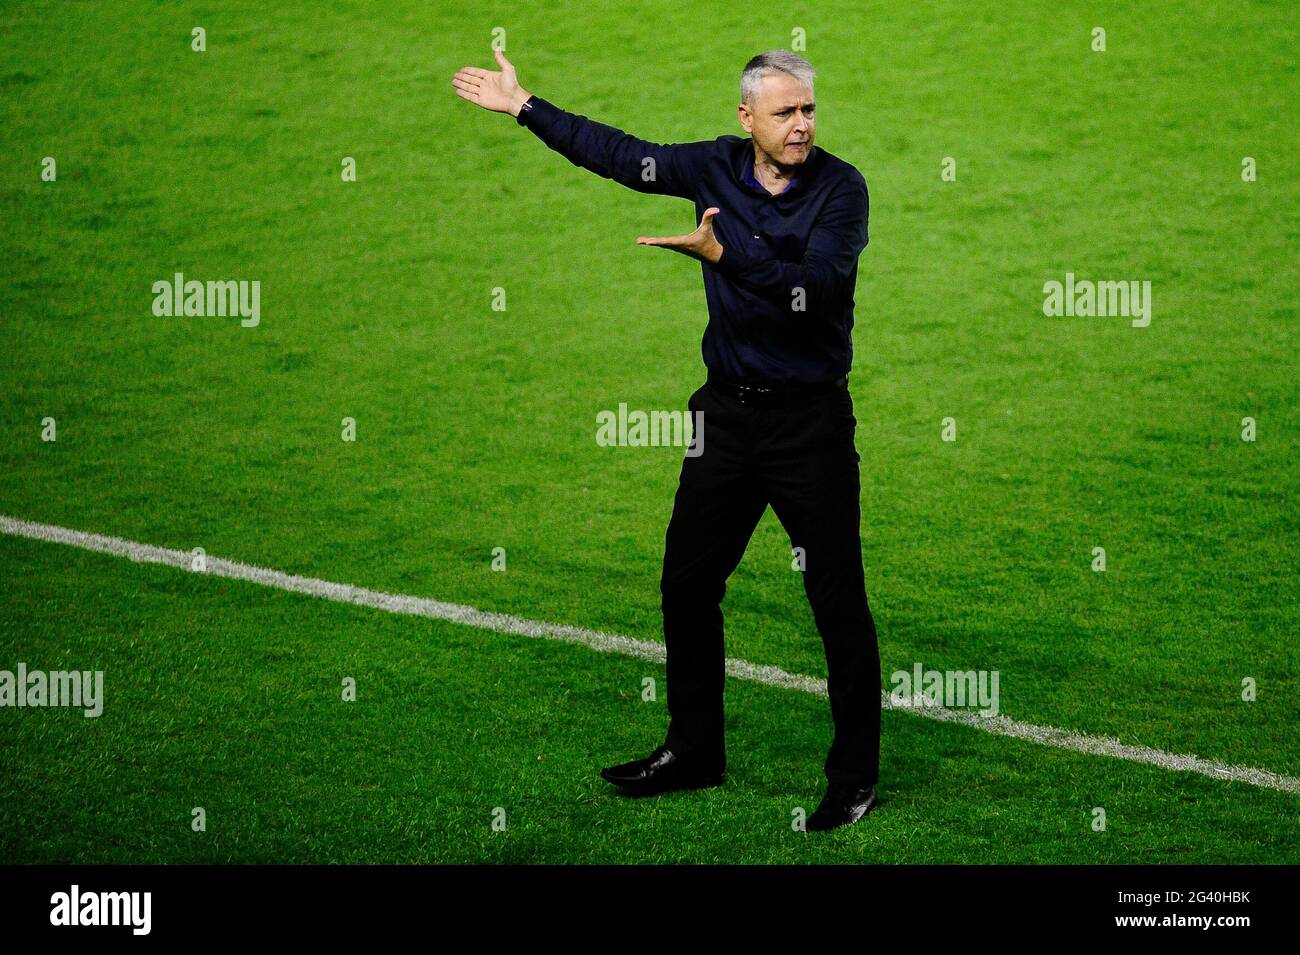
(781, 119)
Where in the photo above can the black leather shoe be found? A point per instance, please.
(662, 771)
(842, 807)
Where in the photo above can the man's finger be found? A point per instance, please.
(501, 59)
(460, 84)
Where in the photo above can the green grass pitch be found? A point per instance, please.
(475, 430)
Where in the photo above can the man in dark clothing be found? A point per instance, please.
(782, 223)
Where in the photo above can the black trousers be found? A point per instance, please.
(800, 459)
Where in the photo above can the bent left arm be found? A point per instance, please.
(834, 245)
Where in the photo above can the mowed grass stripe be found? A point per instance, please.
(226, 695)
(627, 646)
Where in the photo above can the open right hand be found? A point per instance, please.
(499, 92)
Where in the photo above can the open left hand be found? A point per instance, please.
(700, 244)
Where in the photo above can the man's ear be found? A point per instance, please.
(746, 118)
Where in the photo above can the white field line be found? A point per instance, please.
(627, 646)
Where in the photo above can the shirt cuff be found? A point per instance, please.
(539, 116)
(733, 261)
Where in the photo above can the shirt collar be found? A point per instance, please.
(747, 175)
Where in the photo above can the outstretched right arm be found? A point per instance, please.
(658, 169)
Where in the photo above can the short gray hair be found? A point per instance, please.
(773, 61)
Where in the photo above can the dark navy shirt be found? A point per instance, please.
(781, 297)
